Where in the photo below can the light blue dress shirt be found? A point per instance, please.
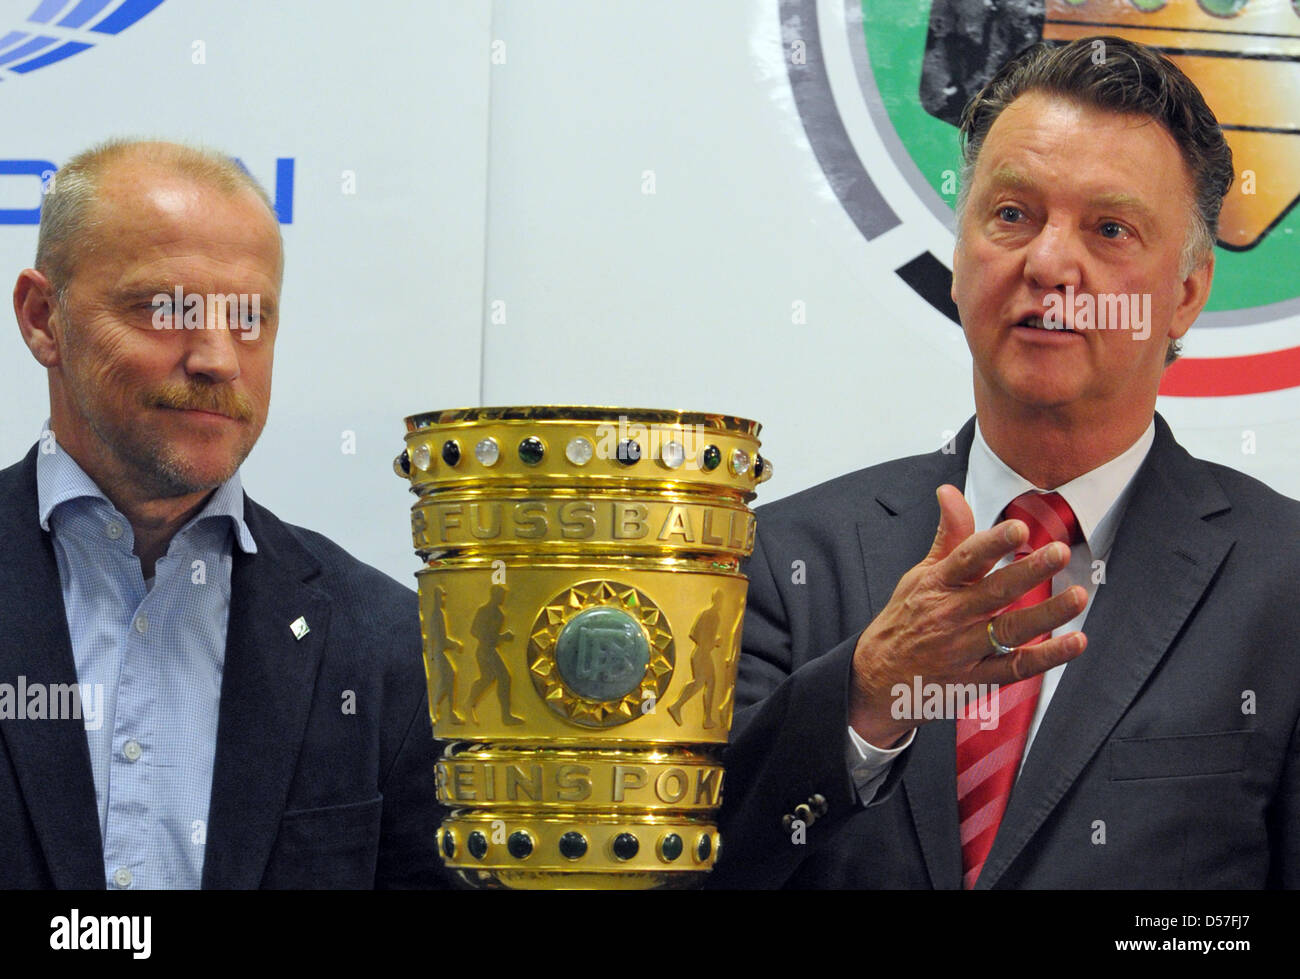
(156, 651)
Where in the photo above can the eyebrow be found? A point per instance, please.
(151, 291)
(1122, 202)
(1005, 177)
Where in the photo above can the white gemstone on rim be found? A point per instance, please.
(579, 451)
(739, 462)
(673, 454)
(487, 451)
(421, 457)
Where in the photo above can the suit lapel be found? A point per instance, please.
(1163, 559)
(266, 694)
(51, 757)
(930, 784)
(896, 534)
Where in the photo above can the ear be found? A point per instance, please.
(36, 310)
(1196, 292)
(956, 250)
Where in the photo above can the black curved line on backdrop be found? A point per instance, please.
(857, 192)
(821, 120)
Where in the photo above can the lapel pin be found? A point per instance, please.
(299, 627)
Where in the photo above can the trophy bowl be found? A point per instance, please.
(581, 604)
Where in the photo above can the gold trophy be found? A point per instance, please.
(581, 607)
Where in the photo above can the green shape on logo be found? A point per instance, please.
(602, 654)
(1222, 8)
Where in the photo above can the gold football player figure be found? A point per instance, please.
(703, 676)
(491, 667)
(442, 671)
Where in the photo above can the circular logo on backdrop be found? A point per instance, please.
(915, 66)
(51, 34)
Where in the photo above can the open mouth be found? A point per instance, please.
(1038, 323)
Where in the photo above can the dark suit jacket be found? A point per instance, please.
(303, 794)
(1168, 757)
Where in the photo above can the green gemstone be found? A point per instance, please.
(671, 847)
(531, 450)
(626, 846)
(520, 844)
(629, 452)
(573, 845)
(704, 847)
(449, 845)
(712, 458)
(477, 845)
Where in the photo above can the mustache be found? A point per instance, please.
(219, 399)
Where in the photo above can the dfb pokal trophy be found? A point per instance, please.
(581, 606)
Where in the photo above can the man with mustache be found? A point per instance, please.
(264, 721)
(1128, 612)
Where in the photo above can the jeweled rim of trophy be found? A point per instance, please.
(581, 603)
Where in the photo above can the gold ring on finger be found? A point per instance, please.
(998, 648)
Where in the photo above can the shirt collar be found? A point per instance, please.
(1097, 497)
(59, 480)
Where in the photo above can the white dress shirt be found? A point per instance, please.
(1098, 499)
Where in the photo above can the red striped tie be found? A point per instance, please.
(988, 760)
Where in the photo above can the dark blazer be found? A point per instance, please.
(1169, 756)
(303, 794)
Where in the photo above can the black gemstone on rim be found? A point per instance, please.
(404, 460)
(451, 452)
(626, 846)
(448, 845)
(629, 452)
(477, 845)
(712, 458)
(531, 450)
(573, 845)
(758, 465)
(671, 847)
(704, 847)
(520, 844)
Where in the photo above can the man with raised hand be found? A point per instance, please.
(263, 718)
(1089, 676)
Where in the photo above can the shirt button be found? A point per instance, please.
(113, 530)
(122, 877)
(141, 623)
(131, 750)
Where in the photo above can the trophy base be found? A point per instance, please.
(577, 851)
(520, 880)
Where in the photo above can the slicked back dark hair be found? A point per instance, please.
(1115, 75)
